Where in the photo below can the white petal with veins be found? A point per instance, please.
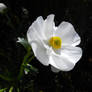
(40, 53)
(68, 34)
(67, 58)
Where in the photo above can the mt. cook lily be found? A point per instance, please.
(54, 45)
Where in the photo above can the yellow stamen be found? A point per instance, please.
(55, 42)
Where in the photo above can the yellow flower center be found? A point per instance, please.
(55, 42)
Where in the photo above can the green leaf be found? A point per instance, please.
(31, 69)
(11, 89)
(3, 90)
(25, 43)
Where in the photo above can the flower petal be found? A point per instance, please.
(68, 34)
(36, 40)
(40, 52)
(54, 69)
(67, 59)
(34, 32)
(61, 63)
(49, 26)
(73, 53)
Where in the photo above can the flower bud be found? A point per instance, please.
(2, 7)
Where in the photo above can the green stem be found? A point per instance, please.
(18, 90)
(29, 60)
(22, 65)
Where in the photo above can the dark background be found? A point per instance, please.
(78, 12)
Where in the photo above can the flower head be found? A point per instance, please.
(54, 45)
(2, 7)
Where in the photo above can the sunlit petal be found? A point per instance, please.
(67, 58)
(40, 53)
(68, 34)
(49, 26)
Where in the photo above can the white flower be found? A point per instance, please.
(54, 45)
(2, 7)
